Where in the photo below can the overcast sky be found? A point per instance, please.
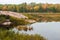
(28, 1)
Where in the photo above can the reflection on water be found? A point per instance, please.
(50, 30)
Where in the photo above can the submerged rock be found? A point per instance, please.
(25, 28)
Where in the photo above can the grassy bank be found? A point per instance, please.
(10, 35)
(44, 17)
(14, 20)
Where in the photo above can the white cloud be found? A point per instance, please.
(28, 1)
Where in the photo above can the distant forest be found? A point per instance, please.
(32, 7)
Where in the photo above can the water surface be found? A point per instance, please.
(50, 30)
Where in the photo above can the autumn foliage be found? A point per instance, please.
(32, 7)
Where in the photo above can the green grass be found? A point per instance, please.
(17, 21)
(10, 35)
(41, 17)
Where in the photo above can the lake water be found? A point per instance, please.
(50, 30)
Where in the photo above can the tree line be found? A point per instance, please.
(32, 7)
